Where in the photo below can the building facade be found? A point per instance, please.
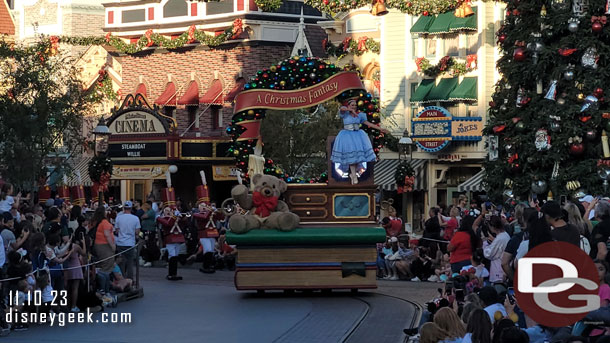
(194, 86)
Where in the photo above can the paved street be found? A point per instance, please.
(208, 308)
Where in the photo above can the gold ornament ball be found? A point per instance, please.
(278, 171)
(236, 152)
(282, 83)
(273, 68)
(360, 103)
(250, 112)
(580, 97)
(296, 57)
(375, 115)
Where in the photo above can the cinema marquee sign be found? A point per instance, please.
(136, 123)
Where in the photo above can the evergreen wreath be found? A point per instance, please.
(404, 176)
(100, 168)
(447, 64)
(268, 5)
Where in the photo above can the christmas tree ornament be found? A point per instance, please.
(579, 8)
(555, 172)
(501, 38)
(568, 74)
(543, 11)
(542, 140)
(508, 193)
(538, 86)
(605, 146)
(539, 186)
(573, 24)
(561, 101)
(573, 185)
(576, 147)
(607, 126)
(508, 182)
(580, 97)
(519, 54)
(589, 58)
(591, 135)
(555, 123)
(549, 196)
(598, 92)
(520, 126)
(591, 104)
(607, 7)
(551, 94)
(598, 23)
(560, 4)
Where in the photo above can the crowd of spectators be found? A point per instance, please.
(473, 250)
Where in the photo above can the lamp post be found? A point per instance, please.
(101, 134)
(604, 174)
(405, 153)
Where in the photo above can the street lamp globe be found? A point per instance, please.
(405, 145)
(101, 134)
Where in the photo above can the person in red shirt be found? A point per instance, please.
(462, 245)
(392, 226)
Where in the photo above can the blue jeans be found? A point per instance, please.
(380, 264)
(103, 282)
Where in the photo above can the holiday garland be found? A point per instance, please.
(351, 46)
(268, 5)
(405, 177)
(150, 39)
(295, 73)
(447, 64)
(412, 7)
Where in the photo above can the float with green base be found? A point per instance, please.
(332, 244)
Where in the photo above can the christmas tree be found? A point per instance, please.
(548, 121)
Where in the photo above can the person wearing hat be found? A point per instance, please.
(390, 260)
(128, 227)
(586, 202)
(562, 231)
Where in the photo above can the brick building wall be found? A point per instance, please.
(228, 62)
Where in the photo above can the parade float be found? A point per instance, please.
(295, 233)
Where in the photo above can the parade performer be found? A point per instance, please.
(352, 146)
(173, 237)
(205, 221)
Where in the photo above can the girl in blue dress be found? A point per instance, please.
(352, 146)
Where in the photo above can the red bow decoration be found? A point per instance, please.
(418, 62)
(444, 63)
(103, 182)
(264, 205)
(148, 35)
(346, 42)
(238, 28)
(408, 187)
(601, 19)
(584, 118)
(513, 158)
(191, 34)
(567, 52)
(499, 128)
(362, 43)
(107, 37)
(471, 60)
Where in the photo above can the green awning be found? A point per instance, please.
(465, 24)
(442, 23)
(465, 91)
(442, 90)
(421, 92)
(422, 24)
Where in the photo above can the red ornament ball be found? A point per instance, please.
(326, 2)
(597, 27)
(577, 149)
(501, 38)
(519, 54)
(598, 92)
(426, 13)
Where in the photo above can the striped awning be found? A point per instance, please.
(80, 164)
(474, 184)
(385, 170)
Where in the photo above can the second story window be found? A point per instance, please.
(430, 47)
(452, 45)
(192, 112)
(216, 117)
(175, 8)
(219, 7)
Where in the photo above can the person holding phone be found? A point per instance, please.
(493, 248)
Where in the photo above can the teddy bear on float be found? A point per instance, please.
(265, 210)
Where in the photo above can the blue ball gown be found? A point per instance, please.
(352, 146)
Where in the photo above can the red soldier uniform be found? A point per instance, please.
(173, 236)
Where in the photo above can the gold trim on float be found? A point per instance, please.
(138, 158)
(138, 141)
(205, 141)
(352, 194)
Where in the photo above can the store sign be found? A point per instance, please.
(450, 157)
(224, 173)
(137, 150)
(299, 98)
(143, 172)
(136, 123)
(434, 128)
